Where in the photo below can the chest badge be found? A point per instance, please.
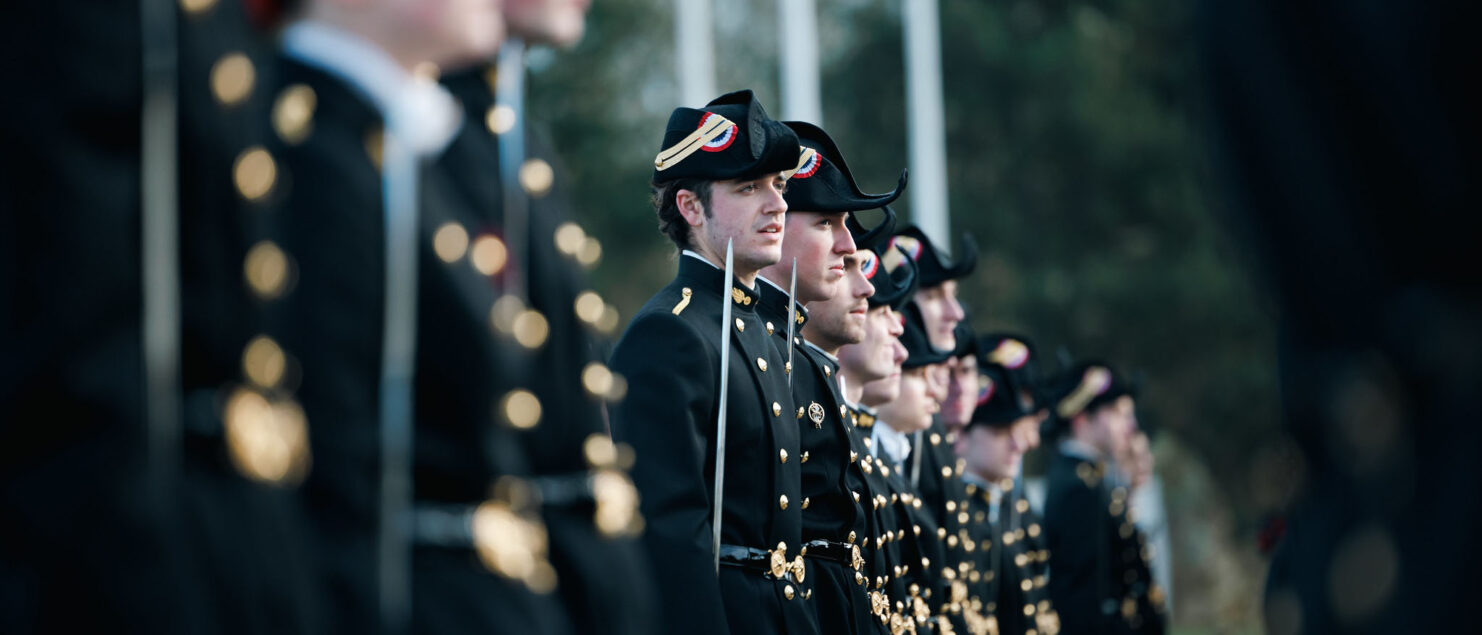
(815, 414)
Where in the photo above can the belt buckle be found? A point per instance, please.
(856, 561)
(777, 564)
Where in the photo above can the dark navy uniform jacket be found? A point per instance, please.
(333, 222)
(834, 488)
(670, 358)
(1099, 578)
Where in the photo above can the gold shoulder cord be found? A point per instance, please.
(684, 301)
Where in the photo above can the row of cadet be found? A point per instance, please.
(822, 443)
(387, 412)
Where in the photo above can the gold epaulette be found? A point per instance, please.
(684, 301)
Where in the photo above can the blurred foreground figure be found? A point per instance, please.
(150, 449)
(1349, 139)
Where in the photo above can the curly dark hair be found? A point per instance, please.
(671, 222)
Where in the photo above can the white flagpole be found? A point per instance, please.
(694, 51)
(798, 61)
(926, 130)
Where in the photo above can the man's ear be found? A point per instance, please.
(690, 207)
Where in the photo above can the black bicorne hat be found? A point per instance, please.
(934, 266)
(919, 351)
(730, 138)
(821, 181)
(874, 237)
(998, 403)
(1015, 353)
(1085, 387)
(893, 276)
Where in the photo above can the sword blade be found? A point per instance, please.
(792, 317)
(720, 419)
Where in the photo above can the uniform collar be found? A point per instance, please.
(706, 277)
(892, 444)
(420, 112)
(774, 304)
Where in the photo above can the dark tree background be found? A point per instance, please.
(1076, 159)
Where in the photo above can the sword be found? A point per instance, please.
(720, 419)
(916, 462)
(792, 316)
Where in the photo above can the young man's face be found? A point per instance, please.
(750, 212)
(991, 453)
(937, 378)
(820, 242)
(940, 313)
(887, 388)
(912, 408)
(962, 391)
(879, 353)
(1111, 426)
(841, 320)
(558, 23)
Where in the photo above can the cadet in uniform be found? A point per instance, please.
(936, 472)
(1099, 578)
(823, 236)
(397, 275)
(993, 450)
(718, 180)
(875, 362)
(1015, 355)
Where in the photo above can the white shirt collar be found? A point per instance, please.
(895, 445)
(697, 256)
(418, 111)
(1072, 447)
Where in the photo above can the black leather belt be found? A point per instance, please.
(840, 552)
(772, 564)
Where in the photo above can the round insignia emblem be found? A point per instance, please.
(812, 160)
(721, 142)
(815, 413)
(986, 387)
(910, 245)
(869, 264)
(1010, 354)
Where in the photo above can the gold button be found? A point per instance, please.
(782, 501)
(782, 454)
(851, 538)
(570, 238)
(856, 496)
(806, 501)
(293, 113)
(232, 78)
(536, 177)
(762, 364)
(450, 242)
(788, 591)
(827, 372)
(770, 330)
(776, 407)
(254, 173)
(266, 270)
(805, 456)
(500, 119)
(520, 408)
(740, 326)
